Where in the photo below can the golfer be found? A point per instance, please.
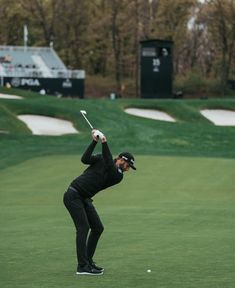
(103, 172)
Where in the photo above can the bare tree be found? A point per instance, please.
(171, 23)
(221, 24)
(44, 13)
(11, 23)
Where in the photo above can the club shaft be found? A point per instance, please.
(87, 121)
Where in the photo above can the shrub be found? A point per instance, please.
(193, 84)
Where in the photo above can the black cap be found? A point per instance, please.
(129, 158)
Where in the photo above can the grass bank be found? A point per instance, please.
(191, 135)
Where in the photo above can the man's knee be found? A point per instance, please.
(82, 229)
(98, 229)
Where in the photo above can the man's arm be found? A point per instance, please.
(108, 158)
(87, 157)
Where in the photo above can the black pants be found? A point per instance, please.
(86, 220)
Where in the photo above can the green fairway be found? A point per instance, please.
(174, 215)
(191, 135)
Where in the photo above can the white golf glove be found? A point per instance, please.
(98, 134)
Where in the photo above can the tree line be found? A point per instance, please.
(102, 36)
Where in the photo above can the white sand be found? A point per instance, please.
(43, 125)
(220, 117)
(150, 113)
(4, 132)
(7, 96)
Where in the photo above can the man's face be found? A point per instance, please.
(122, 164)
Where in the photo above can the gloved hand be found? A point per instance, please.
(96, 134)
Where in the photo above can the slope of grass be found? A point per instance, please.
(192, 134)
(174, 215)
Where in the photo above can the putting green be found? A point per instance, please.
(174, 215)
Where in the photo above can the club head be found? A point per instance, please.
(83, 112)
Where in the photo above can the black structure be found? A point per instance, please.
(39, 69)
(231, 84)
(52, 86)
(156, 73)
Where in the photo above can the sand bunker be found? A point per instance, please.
(220, 117)
(4, 131)
(150, 113)
(7, 96)
(43, 125)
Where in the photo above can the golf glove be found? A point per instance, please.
(99, 134)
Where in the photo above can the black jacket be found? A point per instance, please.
(101, 173)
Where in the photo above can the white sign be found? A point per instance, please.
(16, 82)
(30, 82)
(67, 84)
(156, 64)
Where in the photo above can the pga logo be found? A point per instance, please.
(16, 82)
(29, 82)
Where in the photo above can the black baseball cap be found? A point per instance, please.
(129, 158)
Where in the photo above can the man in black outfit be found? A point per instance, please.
(103, 172)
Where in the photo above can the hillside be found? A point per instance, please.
(191, 135)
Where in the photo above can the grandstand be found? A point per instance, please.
(39, 69)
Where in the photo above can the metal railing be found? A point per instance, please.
(37, 73)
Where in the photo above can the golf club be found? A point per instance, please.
(83, 112)
(97, 133)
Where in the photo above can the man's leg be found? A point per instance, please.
(76, 209)
(96, 227)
